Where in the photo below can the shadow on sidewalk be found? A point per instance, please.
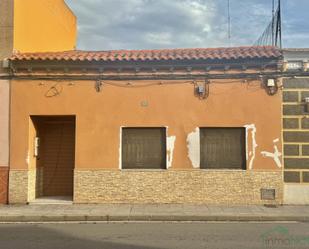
(38, 236)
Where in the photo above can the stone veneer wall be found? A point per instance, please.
(18, 186)
(3, 184)
(176, 186)
(32, 184)
(25, 185)
(163, 186)
(296, 130)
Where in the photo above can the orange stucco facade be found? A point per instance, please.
(43, 25)
(107, 91)
(28, 26)
(100, 116)
(160, 92)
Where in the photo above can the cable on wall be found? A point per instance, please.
(201, 86)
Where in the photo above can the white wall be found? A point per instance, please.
(296, 194)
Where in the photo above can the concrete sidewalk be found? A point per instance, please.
(150, 212)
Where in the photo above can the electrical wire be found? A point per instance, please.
(229, 22)
(54, 90)
(141, 85)
(272, 34)
(99, 83)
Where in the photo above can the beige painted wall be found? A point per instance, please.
(296, 194)
(99, 117)
(4, 122)
(6, 49)
(6, 28)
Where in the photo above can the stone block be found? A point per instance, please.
(291, 176)
(296, 163)
(289, 96)
(291, 150)
(296, 136)
(290, 123)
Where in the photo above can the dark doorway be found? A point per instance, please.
(56, 154)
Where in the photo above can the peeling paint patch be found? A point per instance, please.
(170, 144)
(193, 145)
(120, 147)
(250, 155)
(276, 155)
(276, 140)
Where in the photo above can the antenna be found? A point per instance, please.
(229, 22)
(272, 34)
(279, 27)
(273, 24)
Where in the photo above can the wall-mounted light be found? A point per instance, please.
(271, 86)
(201, 90)
(270, 83)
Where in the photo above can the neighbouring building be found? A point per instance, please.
(296, 126)
(148, 126)
(28, 26)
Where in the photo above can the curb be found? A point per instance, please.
(145, 218)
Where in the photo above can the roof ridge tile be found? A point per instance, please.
(156, 54)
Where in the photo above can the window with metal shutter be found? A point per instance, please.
(143, 148)
(222, 148)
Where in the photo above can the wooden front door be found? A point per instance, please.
(57, 149)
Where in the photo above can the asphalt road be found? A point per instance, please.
(155, 235)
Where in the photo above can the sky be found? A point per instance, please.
(157, 24)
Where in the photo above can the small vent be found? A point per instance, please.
(268, 194)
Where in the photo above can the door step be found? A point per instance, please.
(53, 200)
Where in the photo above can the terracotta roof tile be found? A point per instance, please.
(257, 52)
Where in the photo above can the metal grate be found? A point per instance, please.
(268, 194)
(222, 148)
(144, 148)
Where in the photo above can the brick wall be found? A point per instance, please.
(3, 185)
(296, 130)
